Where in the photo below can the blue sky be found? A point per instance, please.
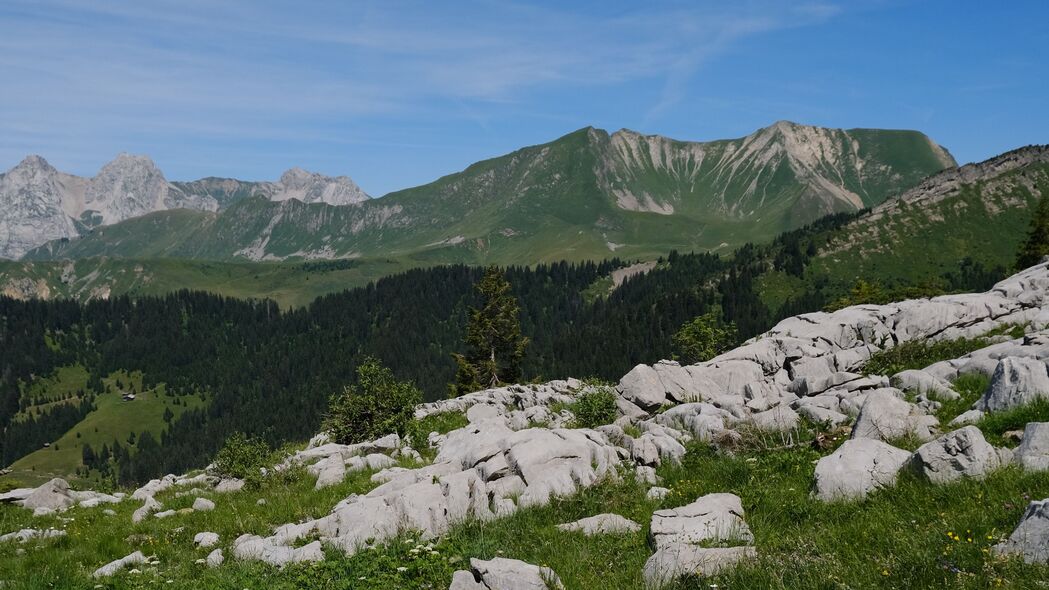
(396, 94)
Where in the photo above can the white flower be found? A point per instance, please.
(402, 569)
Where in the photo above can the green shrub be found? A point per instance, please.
(703, 338)
(242, 457)
(377, 405)
(595, 407)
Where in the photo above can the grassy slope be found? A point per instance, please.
(289, 284)
(896, 539)
(902, 537)
(112, 419)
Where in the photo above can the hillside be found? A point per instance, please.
(950, 230)
(893, 446)
(587, 195)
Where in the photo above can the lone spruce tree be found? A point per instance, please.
(1036, 246)
(494, 345)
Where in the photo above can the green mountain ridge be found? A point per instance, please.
(587, 195)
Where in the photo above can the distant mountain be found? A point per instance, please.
(587, 195)
(39, 203)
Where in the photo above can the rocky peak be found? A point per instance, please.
(311, 187)
(128, 186)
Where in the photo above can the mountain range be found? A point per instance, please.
(39, 203)
(587, 195)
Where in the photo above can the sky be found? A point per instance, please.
(396, 94)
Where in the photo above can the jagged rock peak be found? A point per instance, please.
(33, 162)
(311, 187)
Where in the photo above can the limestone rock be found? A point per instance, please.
(1016, 381)
(114, 566)
(206, 539)
(602, 524)
(858, 467)
(505, 574)
(253, 547)
(643, 388)
(674, 561)
(148, 507)
(53, 496)
(1030, 540)
(957, 454)
(25, 535)
(1033, 452)
(922, 382)
(713, 517)
(203, 505)
(884, 416)
(215, 558)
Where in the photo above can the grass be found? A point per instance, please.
(897, 538)
(112, 419)
(918, 354)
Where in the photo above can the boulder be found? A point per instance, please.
(957, 454)
(1016, 381)
(215, 558)
(643, 388)
(602, 524)
(253, 547)
(778, 419)
(205, 539)
(229, 485)
(203, 505)
(714, 517)
(148, 507)
(114, 566)
(1030, 540)
(505, 574)
(657, 493)
(858, 467)
(884, 416)
(967, 417)
(329, 471)
(1033, 452)
(670, 563)
(52, 496)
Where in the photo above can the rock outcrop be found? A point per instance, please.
(1030, 540)
(686, 539)
(505, 574)
(957, 454)
(858, 467)
(601, 524)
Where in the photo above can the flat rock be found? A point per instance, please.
(858, 467)
(505, 574)
(674, 561)
(25, 535)
(601, 524)
(921, 382)
(714, 517)
(957, 454)
(215, 558)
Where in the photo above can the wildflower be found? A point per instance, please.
(885, 572)
(402, 569)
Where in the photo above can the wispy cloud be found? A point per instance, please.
(117, 72)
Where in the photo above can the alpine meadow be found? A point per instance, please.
(791, 333)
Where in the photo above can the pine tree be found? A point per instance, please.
(494, 344)
(1036, 246)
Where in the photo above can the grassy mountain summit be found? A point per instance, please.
(582, 196)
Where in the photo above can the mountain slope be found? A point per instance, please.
(39, 203)
(583, 196)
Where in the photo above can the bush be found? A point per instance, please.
(377, 405)
(595, 407)
(242, 457)
(704, 338)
